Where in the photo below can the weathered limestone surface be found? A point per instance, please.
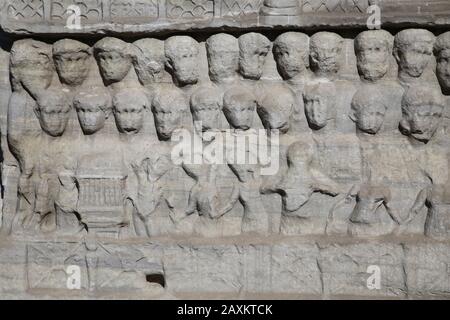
(155, 16)
(224, 149)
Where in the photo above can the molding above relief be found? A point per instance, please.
(34, 17)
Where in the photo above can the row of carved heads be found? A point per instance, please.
(422, 109)
(229, 56)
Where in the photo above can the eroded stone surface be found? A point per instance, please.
(117, 159)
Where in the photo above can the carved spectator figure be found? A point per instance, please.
(321, 113)
(93, 108)
(128, 108)
(239, 106)
(373, 52)
(223, 57)
(31, 72)
(320, 107)
(72, 61)
(291, 51)
(422, 109)
(442, 52)
(253, 50)
(52, 110)
(115, 59)
(169, 107)
(31, 66)
(182, 54)
(325, 52)
(413, 50)
(368, 110)
(383, 165)
(206, 109)
(150, 61)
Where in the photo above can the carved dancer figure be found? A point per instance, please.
(296, 187)
(367, 216)
(436, 199)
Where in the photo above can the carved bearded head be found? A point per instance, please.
(253, 50)
(71, 59)
(413, 50)
(325, 53)
(223, 56)
(182, 59)
(373, 52)
(291, 51)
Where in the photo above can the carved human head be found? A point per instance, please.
(128, 109)
(114, 57)
(291, 51)
(182, 54)
(276, 108)
(319, 104)
(52, 109)
(223, 56)
(422, 109)
(442, 52)
(325, 53)
(253, 50)
(300, 153)
(368, 109)
(206, 106)
(93, 108)
(72, 61)
(373, 52)
(239, 106)
(169, 108)
(413, 50)
(150, 60)
(31, 65)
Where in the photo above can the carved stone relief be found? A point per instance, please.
(359, 120)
